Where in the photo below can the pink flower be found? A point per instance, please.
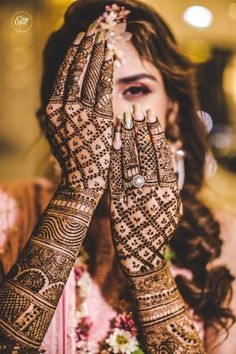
(78, 272)
(83, 328)
(124, 321)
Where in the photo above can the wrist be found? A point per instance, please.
(154, 289)
(77, 203)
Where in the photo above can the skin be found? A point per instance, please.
(140, 81)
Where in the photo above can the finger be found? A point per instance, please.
(146, 151)
(131, 170)
(89, 87)
(60, 81)
(115, 171)
(55, 123)
(78, 67)
(103, 105)
(163, 154)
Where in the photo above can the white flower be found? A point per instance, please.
(122, 341)
(113, 23)
(85, 284)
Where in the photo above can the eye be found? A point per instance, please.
(137, 90)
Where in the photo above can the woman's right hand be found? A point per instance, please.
(79, 113)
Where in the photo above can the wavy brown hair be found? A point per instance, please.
(196, 241)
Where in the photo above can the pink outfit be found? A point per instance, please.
(101, 314)
(60, 337)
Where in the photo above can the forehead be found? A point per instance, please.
(133, 63)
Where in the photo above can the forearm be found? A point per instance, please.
(31, 290)
(163, 318)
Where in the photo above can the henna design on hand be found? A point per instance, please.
(143, 220)
(79, 129)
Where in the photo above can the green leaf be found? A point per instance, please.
(138, 351)
(169, 255)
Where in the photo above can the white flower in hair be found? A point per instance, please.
(113, 23)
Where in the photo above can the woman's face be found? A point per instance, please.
(139, 82)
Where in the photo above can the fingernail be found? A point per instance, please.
(117, 141)
(138, 114)
(128, 121)
(79, 38)
(99, 37)
(92, 29)
(150, 116)
(137, 107)
(117, 137)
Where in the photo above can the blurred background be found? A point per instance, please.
(206, 31)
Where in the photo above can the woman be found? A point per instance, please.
(144, 203)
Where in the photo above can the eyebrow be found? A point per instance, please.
(137, 77)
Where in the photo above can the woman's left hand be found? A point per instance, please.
(145, 204)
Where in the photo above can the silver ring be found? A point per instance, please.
(138, 181)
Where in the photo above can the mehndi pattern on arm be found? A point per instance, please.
(143, 221)
(80, 137)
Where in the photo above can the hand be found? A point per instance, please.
(79, 129)
(143, 218)
(145, 210)
(80, 113)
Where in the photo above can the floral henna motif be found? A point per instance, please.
(143, 220)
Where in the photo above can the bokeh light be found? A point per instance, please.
(198, 50)
(198, 16)
(221, 140)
